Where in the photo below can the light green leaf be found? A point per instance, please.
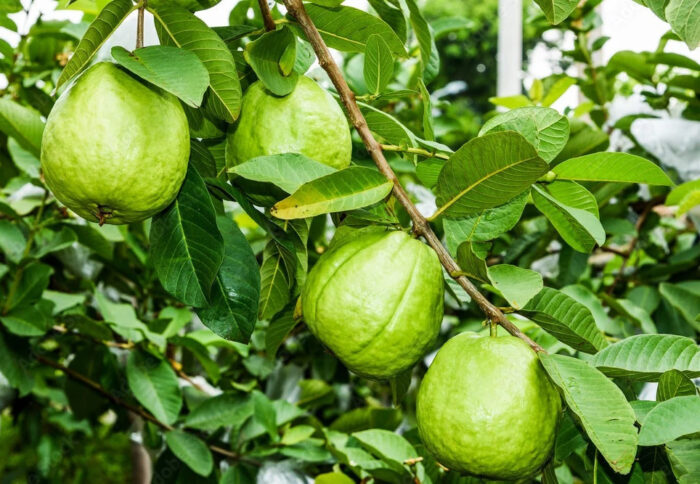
(348, 29)
(12, 241)
(266, 54)
(557, 10)
(645, 357)
(676, 196)
(176, 26)
(600, 406)
(566, 319)
(220, 411)
(386, 445)
(684, 17)
(517, 285)
(612, 167)
(674, 383)
(586, 297)
(471, 264)
(487, 172)
(572, 194)
(690, 201)
(24, 159)
(557, 90)
(289, 171)
(186, 246)
(671, 419)
(154, 384)
(511, 102)
(97, 33)
(191, 450)
(543, 128)
(27, 321)
(348, 189)
(579, 228)
(178, 71)
(379, 64)
(23, 124)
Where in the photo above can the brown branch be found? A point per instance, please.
(139, 31)
(268, 21)
(420, 225)
(132, 408)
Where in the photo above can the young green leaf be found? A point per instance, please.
(379, 64)
(178, 71)
(544, 128)
(645, 357)
(568, 320)
(671, 419)
(186, 246)
(487, 172)
(289, 171)
(348, 29)
(348, 189)
(600, 406)
(612, 167)
(233, 307)
(579, 228)
(23, 124)
(266, 56)
(191, 450)
(177, 26)
(154, 384)
(97, 33)
(557, 11)
(674, 383)
(517, 285)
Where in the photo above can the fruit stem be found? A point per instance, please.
(493, 329)
(268, 21)
(420, 225)
(139, 26)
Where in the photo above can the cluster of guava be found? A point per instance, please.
(115, 150)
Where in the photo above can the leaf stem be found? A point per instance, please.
(416, 151)
(421, 226)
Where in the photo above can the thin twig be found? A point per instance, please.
(139, 26)
(268, 21)
(416, 151)
(420, 224)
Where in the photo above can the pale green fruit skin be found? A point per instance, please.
(486, 407)
(376, 302)
(307, 121)
(191, 5)
(114, 144)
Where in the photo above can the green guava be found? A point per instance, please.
(487, 408)
(376, 302)
(307, 121)
(114, 149)
(191, 5)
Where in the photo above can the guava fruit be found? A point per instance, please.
(487, 408)
(376, 302)
(115, 150)
(191, 5)
(307, 121)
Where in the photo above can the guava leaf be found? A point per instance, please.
(674, 383)
(517, 285)
(379, 64)
(23, 124)
(154, 384)
(191, 450)
(612, 167)
(671, 419)
(557, 11)
(265, 55)
(289, 171)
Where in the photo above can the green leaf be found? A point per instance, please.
(348, 29)
(691, 201)
(379, 64)
(470, 263)
(191, 450)
(566, 319)
(15, 363)
(289, 171)
(32, 283)
(277, 331)
(265, 55)
(265, 414)
(612, 167)
(486, 172)
(23, 124)
(186, 246)
(274, 291)
(684, 17)
(27, 321)
(386, 445)
(645, 357)
(429, 56)
(12, 241)
(97, 33)
(93, 239)
(674, 383)
(543, 128)
(178, 71)
(586, 297)
(579, 228)
(348, 189)
(633, 313)
(517, 285)
(486, 224)
(557, 10)
(333, 478)
(557, 90)
(154, 384)
(47, 241)
(671, 419)
(684, 456)
(233, 308)
(220, 411)
(572, 194)
(599, 405)
(176, 26)
(676, 196)
(686, 302)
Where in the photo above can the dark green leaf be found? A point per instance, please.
(154, 384)
(190, 450)
(674, 383)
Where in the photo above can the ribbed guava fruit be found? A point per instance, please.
(114, 149)
(191, 5)
(487, 408)
(307, 121)
(376, 302)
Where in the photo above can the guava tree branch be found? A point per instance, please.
(139, 25)
(268, 21)
(420, 225)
